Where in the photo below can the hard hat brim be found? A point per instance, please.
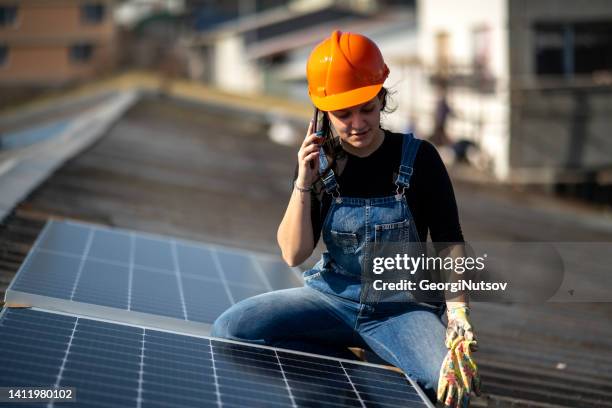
(346, 99)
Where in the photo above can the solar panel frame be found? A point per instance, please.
(88, 354)
(186, 311)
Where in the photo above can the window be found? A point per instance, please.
(81, 52)
(4, 50)
(592, 48)
(8, 14)
(550, 43)
(573, 48)
(92, 13)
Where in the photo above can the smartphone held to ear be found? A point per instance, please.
(315, 120)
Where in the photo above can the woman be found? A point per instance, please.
(367, 185)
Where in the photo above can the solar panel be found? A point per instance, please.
(141, 278)
(120, 365)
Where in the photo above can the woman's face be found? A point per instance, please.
(358, 125)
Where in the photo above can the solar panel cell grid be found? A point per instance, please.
(105, 283)
(111, 245)
(126, 365)
(114, 365)
(150, 274)
(69, 239)
(48, 274)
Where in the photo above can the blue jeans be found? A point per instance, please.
(406, 335)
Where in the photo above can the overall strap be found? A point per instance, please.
(329, 181)
(410, 146)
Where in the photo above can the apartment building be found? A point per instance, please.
(528, 81)
(53, 42)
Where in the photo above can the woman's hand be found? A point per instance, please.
(309, 153)
(459, 372)
(459, 325)
(458, 375)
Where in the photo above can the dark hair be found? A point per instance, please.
(332, 147)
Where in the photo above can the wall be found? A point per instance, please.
(560, 125)
(480, 116)
(232, 71)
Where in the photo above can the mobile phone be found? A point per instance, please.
(315, 120)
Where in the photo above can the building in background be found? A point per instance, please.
(266, 52)
(50, 43)
(528, 81)
(151, 30)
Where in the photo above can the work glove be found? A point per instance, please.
(459, 326)
(458, 375)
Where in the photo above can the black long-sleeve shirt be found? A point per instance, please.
(430, 197)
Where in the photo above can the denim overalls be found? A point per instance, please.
(332, 311)
(355, 229)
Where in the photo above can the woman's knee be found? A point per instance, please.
(251, 320)
(236, 324)
(222, 326)
(266, 318)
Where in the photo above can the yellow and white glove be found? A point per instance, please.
(459, 372)
(458, 375)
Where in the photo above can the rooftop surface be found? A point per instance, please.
(209, 174)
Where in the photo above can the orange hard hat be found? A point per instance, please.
(345, 70)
